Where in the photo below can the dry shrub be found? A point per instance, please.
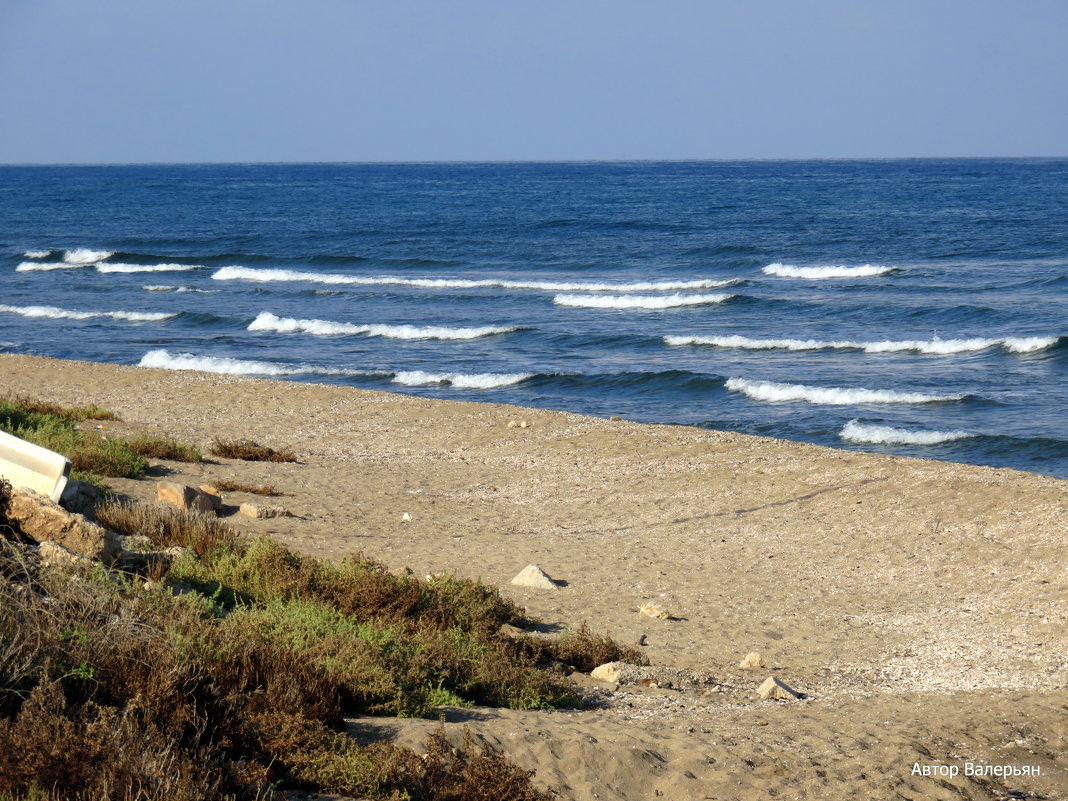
(164, 448)
(582, 649)
(74, 413)
(249, 451)
(167, 526)
(254, 489)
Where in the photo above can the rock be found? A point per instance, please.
(509, 630)
(402, 571)
(533, 576)
(774, 688)
(652, 610)
(622, 673)
(752, 660)
(41, 519)
(52, 554)
(261, 511)
(616, 418)
(213, 495)
(643, 641)
(80, 497)
(406, 517)
(518, 424)
(188, 499)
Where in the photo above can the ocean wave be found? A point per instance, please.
(930, 346)
(461, 380)
(863, 433)
(218, 364)
(44, 266)
(86, 256)
(68, 314)
(637, 301)
(37, 254)
(287, 325)
(775, 392)
(172, 288)
(827, 271)
(119, 267)
(267, 275)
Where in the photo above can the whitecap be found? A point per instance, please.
(37, 254)
(270, 322)
(179, 289)
(775, 392)
(44, 266)
(268, 275)
(638, 301)
(461, 380)
(119, 267)
(827, 271)
(86, 256)
(927, 346)
(863, 433)
(56, 313)
(217, 364)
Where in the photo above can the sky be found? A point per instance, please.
(135, 81)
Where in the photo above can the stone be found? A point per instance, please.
(774, 688)
(621, 673)
(534, 577)
(41, 519)
(406, 517)
(52, 554)
(652, 610)
(518, 424)
(403, 572)
(188, 499)
(752, 660)
(508, 630)
(80, 497)
(261, 511)
(213, 495)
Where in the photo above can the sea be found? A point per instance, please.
(913, 307)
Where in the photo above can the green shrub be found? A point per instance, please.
(164, 448)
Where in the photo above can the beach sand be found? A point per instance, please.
(922, 606)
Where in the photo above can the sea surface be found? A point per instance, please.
(916, 307)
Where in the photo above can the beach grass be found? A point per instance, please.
(250, 451)
(268, 490)
(164, 448)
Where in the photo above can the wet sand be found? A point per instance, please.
(922, 606)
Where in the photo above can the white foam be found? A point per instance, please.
(119, 267)
(856, 431)
(31, 266)
(36, 254)
(172, 288)
(288, 325)
(268, 275)
(828, 271)
(637, 301)
(461, 380)
(67, 314)
(835, 396)
(930, 346)
(86, 256)
(217, 364)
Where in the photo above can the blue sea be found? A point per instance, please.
(916, 307)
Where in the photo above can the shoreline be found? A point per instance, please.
(926, 592)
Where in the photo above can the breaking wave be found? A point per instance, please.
(932, 346)
(86, 256)
(828, 271)
(461, 380)
(863, 433)
(145, 268)
(287, 325)
(217, 364)
(775, 392)
(32, 266)
(638, 301)
(267, 275)
(36, 254)
(67, 314)
(170, 288)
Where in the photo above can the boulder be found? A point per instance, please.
(620, 673)
(652, 610)
(261, 511)
(188, 499)
(774, 688)
(52, 554)
(534, 577)
(213, 495)
(752, 660)
(80, 497)
(42, 520)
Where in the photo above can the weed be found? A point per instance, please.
(167, 526)
(72, 413)
(255, 489)
(250, 451)
(164, 448)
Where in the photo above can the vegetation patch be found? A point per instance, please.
(254, 489)
(164, 448)
(250, 451)
(72, 413)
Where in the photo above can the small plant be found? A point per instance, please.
(249, 451)
(254, 489)
(164, 448)
(72, 413)
(167, 526)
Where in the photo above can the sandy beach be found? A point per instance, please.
(921, 606)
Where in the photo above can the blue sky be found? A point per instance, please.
(398, 80)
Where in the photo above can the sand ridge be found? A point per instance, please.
(921, 604)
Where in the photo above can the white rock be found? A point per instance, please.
(260, 511)
(652, 610)
(752, 660)
(534, 576)
(406, 517)
(774, 688)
